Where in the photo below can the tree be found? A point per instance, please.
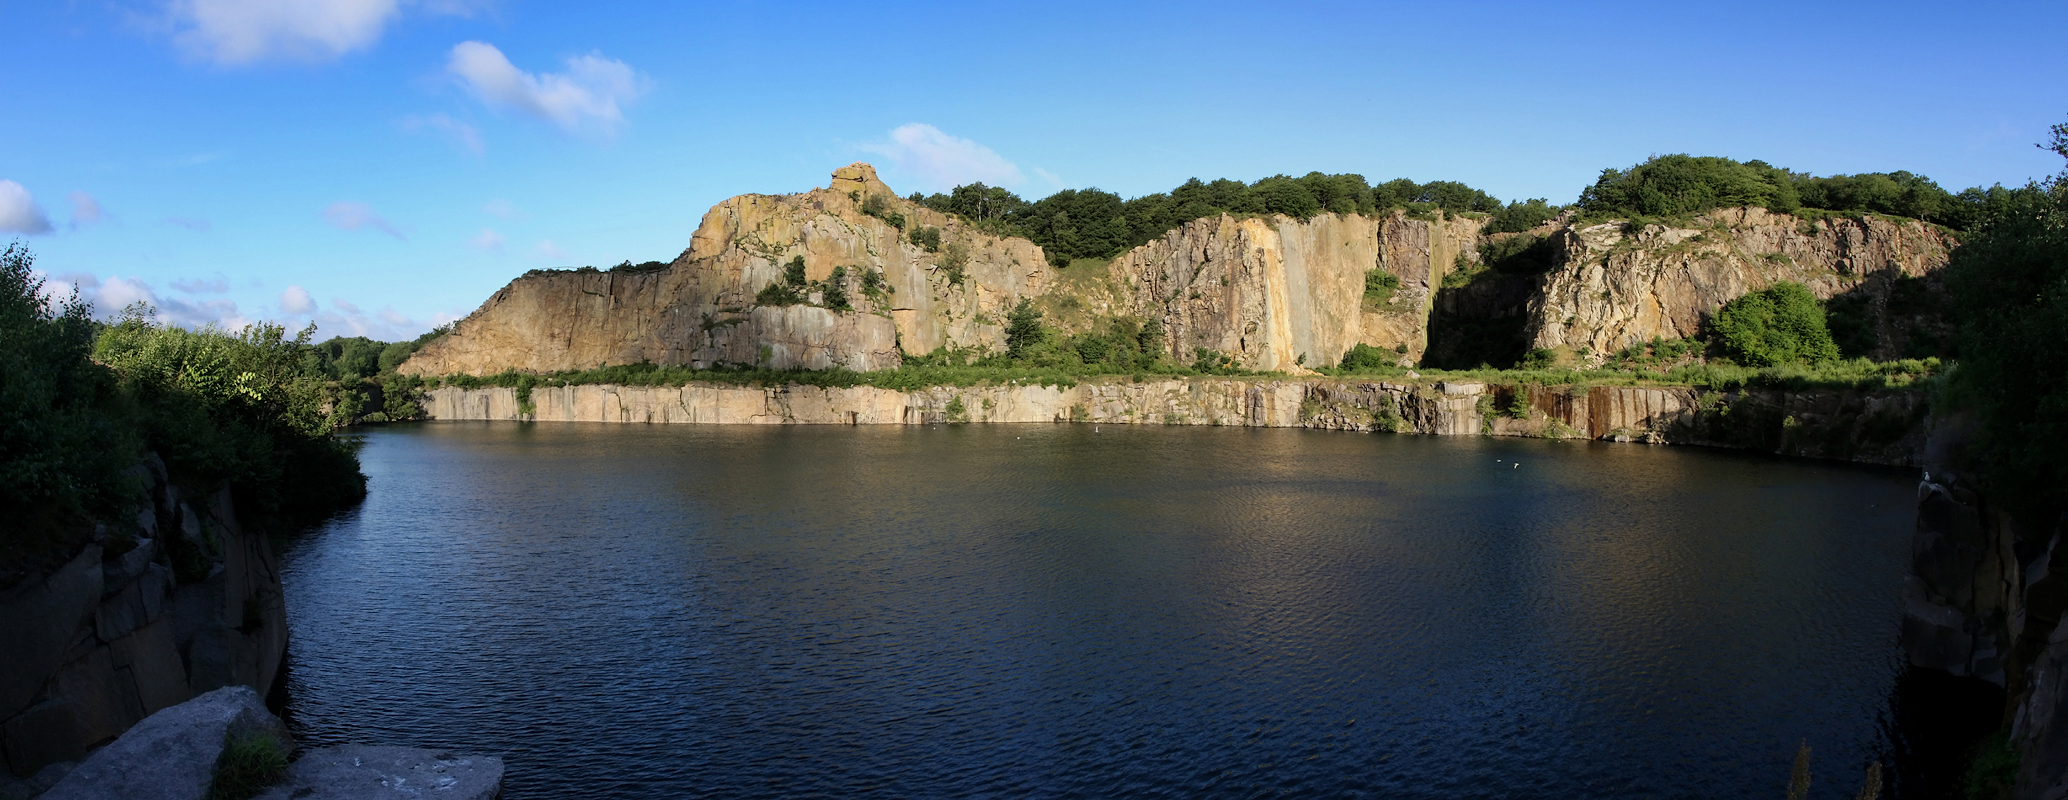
(1023, 329)
(2009, 285)
(1782, 324)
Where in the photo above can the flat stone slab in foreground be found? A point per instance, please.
(363, 772)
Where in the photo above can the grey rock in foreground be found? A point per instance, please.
(171, 755)
(361, 772)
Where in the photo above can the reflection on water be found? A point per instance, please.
(632, 611)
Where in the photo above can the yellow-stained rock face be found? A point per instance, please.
(1280, 294)
(701, 310)
(1274, 293)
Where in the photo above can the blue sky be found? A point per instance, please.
(379, 166)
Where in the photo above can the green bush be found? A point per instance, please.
(1379, 286)
(1362, 357)
(86, 402)
(249, 764)
(1782, 324)
(68, 438)
(927, 238)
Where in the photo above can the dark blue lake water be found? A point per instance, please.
(1058, 611)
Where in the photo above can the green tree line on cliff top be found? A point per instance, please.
(1091, 223)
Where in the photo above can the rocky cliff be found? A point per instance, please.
(702, 311)
(1280, 294)
(1616, 285)
(1275, 293)
(185, 602)
(1986, 600)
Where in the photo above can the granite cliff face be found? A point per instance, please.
(1274, 293)
(701, 310)
(1280, 294)
(1987, 599)
(191, 602)
(1614, 287)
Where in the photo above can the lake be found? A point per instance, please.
(1071, 611)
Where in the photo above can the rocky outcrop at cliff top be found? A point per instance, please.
(1273, 292)
(701, 310)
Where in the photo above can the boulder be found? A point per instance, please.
(361, 772)
(171, 755)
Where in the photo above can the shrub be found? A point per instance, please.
(248, 765)
(1362, 357)
(927, 238)
(1782, 324)
(876, 206)
(1379, 286)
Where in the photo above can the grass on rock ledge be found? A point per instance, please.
(1717, 376)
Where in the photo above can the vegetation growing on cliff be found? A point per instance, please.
(2009, 285)
(84, 402)
(1781, 324)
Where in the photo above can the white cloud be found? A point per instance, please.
(110, 296)
(344, 305)
(358, 216)
(19, 212)
(488, 240)
(941, 162)
(586, 99)
(230, 32)
(85, 210)
(296, 300)
(501, 208)
(217, 285)
(547, 250)
(190, 223)
(466, 136)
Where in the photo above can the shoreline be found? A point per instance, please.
(1886, 426)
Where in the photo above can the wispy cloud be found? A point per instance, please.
(940, 162)
(85, 210)
(501, 208)
(588, 99)
(190, 223)
(197, 159)
(347, 216)
(215, 285)
(547, 250)
(488, 240)
(19, 212)
(466, 136)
